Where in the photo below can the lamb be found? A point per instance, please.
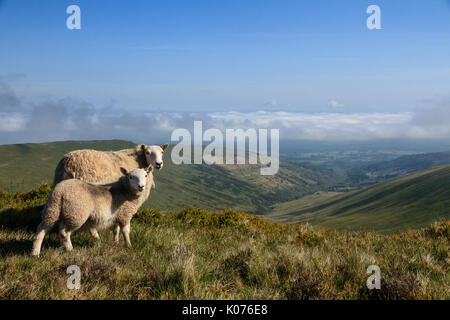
(75, 204)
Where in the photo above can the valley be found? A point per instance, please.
(386, 196)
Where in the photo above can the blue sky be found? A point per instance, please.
(222, 56)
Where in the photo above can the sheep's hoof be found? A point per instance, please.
(94, 234)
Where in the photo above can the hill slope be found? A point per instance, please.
(400, 204)
(196, 254)
(26, 166)
(384, 170)
(408, 164)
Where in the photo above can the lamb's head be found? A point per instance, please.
(138, 178)
(154, 155)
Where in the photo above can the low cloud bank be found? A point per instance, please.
(75, 119)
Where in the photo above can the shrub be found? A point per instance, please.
(305, 287)
(238, 265)
(149, 216)
(309, 238)
(25, 200)
(439, 229)
(23, 209)
(226, 218)
(218, 219)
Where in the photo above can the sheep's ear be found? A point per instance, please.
(123, 170)
(164, 147)
(140, 148)
(149, 168)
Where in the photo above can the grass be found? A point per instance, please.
(409, 202)
(280, 212)
(198, 254)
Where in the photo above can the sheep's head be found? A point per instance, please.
(154, 154)
(138, 178)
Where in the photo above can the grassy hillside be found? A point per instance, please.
(384, 170)
(196, 254)
(23, 167)
(297, 194)
(411, 201)
(26, 166)
(408, 164)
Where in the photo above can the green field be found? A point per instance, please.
(280, 211)
(401, 204)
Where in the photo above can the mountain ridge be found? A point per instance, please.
(396, 205)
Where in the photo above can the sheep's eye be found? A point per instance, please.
(148, 152)
(146, 176)
(131, 177)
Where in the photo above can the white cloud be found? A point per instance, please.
(12, 122)
(335, 104)
(270, 103)
(78, 120)
(332, 126)
(44, 124)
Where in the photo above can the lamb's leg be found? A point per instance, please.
(64, 236)
(126, 234)
(94, 233)
(116, 233)
(42, 229)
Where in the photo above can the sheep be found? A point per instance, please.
(74, 204)
(101, 167)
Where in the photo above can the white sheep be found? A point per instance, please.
(103, 166)
(75, 204)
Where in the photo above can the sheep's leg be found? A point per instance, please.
(94, 233)
(42, 229)
(116, 233)
(64, 236)
(126, 234)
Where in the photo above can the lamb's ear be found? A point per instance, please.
(123, 170)
(149, 168)
(164, 147)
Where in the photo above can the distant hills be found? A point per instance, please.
(407, 164)
(399, 204)
(241, 187)
(407, 196)
(375, 172)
